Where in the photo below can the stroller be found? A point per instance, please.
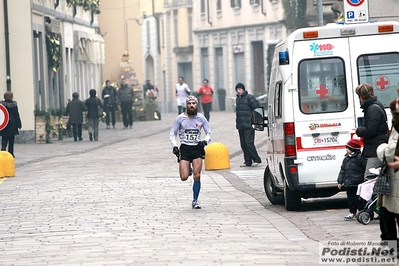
(365, 192)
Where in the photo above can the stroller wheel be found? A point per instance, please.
(365, 218)
(358, 215)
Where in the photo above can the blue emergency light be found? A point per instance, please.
(283, 58)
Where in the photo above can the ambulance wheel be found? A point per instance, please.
(365, 217)
(273, 194)
(292, 199)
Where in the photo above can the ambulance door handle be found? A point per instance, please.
(315, 135)
(335, 133)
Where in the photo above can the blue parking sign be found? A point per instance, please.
(350, 14)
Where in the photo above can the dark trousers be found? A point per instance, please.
(207, 108)
(180, 109)
(10, 141)
(127, 114)
(355, 203)
(110, 116)
(388, 222)
(77, 131)
(247, 139)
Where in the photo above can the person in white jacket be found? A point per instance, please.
(389, 204)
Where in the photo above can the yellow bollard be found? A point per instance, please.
(7, 165)
(217, 156)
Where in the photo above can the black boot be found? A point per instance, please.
(91, 136)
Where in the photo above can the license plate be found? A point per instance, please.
(325, 140)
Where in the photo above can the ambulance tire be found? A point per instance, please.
(292, 199)
(274, 194)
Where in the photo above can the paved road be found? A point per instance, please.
(119, 201)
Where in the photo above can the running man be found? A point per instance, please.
(188, 127)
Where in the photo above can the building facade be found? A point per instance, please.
(224, 41)
(50, 50)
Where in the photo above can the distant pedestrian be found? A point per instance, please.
(206, 93)
(351, 175)
(92, 114)
(126, 99)
(245, 104)
(75, 110)
(14, 123)
(187, 126)
(151, 91)
(182, 91)
(109, 96)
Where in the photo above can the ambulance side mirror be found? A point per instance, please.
(258, 119)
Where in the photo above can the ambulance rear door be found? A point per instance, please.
(323, 104)
(376, 61)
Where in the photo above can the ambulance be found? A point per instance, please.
(313, 110)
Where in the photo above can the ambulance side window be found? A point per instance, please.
(322, 86)
(277, 100)
(381, 71)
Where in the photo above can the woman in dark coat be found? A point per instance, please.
(75, 110)
(92, 114)
(14, 123)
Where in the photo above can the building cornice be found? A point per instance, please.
(41, 10)
(229, 28)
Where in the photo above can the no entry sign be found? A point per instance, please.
(4, 117)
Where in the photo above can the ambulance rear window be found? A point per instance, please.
(322, 86)
(382, 72)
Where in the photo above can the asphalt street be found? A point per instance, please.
(120, 201)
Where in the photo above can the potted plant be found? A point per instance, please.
(41, 118)
(222, 99)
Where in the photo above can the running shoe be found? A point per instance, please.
(350, 216)
(195, 205)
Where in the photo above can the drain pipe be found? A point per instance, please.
(7, 43)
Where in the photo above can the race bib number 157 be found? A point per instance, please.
(191, 135)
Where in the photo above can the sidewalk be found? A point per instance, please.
(120, 201)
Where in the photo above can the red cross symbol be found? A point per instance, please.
(382, 83)
(322, 91)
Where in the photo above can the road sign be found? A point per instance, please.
(4, 117)
(356, 11)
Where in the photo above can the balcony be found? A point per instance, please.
(175, 4)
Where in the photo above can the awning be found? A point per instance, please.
(89, 47)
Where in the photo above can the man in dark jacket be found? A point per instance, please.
(14, 123)
(245, 104)
(109, 96)
(375, 129)
(126, 99)
(75, 110)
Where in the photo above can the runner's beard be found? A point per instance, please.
(192, 111)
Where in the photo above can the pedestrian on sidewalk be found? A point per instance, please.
(92, 114)
(374, 130)
(245, 104)
(389, 204)
(75, 110)
(14, 123)
(187, 126)
(206, 93)
(109, 96)
(182, 92)
(126, 99)
(351, 175)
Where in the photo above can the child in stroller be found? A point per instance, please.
(365, 192)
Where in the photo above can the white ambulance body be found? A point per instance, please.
(313, 109)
